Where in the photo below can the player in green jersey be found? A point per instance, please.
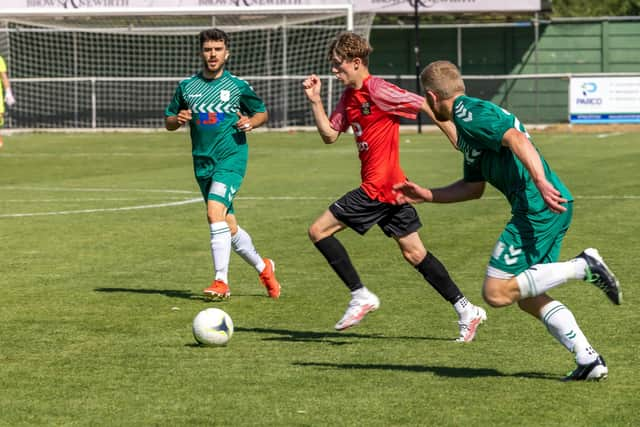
(220, 109)
(8, 95)
(524, 264)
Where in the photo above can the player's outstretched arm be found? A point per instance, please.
(410, 192)
(312, 87)
(524, 150)
(459, 191)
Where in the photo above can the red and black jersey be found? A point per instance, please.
(374, 112)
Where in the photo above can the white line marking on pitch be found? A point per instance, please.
(127, 208)
(189, 201)
(90, 190)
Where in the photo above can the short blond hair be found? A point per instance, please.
(443, 78)
(348, 46)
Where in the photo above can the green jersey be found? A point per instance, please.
(214, 104)
(481, 126)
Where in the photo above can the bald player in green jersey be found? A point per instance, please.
(524, 264)
(221, 108)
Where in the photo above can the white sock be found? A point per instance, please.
(243, 246)
(580, 266)
(221, 249)
(563, 326)
(361, 293)
(463, 307)
(539, 278)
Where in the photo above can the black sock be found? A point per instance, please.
(339, 260)
(436, 274)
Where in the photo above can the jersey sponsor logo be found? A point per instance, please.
(365, 108)
(209, 119)
(462, 113)
(357, 131)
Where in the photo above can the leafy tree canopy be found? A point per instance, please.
(550, 9)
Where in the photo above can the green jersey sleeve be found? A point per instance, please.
(177, 103)
(250, 103)
(481, 121)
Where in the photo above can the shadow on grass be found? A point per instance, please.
(325, 337)
(172, 293)
(442, 371)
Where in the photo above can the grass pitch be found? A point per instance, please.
(105, 253)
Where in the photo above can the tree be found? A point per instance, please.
(578, 8)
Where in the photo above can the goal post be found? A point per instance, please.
(118, 68)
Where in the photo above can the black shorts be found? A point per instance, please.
(359, 212)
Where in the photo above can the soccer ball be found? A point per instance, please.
(212, 327)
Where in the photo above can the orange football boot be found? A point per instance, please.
(217, 291)
(268, 278)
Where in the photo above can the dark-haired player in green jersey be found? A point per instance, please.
(220, 109)
(524, 264)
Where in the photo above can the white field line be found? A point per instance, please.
(187, 201)
(84, 211)
(90, 190)
(607, 135)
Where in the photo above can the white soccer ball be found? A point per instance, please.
(212, 327)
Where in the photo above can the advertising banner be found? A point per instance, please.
(604, 100)
(446, 6)
(378, 6)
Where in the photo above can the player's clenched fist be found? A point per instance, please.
(184, 116)
(311, 87)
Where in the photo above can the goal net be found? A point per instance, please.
(120, 71)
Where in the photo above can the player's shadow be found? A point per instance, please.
(172, 293)
(442, 371)
(334, 338)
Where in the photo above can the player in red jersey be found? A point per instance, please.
(372, 107)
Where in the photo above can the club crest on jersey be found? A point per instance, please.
(365, 108)
(225, 95)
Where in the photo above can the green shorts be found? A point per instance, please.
(221, 187)
(531, 240)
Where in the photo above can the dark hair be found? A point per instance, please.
(215, 35)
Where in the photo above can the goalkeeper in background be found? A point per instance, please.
(220, 109)
(372, 107)
(7, 95)
(524, 265)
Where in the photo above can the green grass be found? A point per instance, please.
(97, 301)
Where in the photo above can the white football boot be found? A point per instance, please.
(357, 309)
(469, 325)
